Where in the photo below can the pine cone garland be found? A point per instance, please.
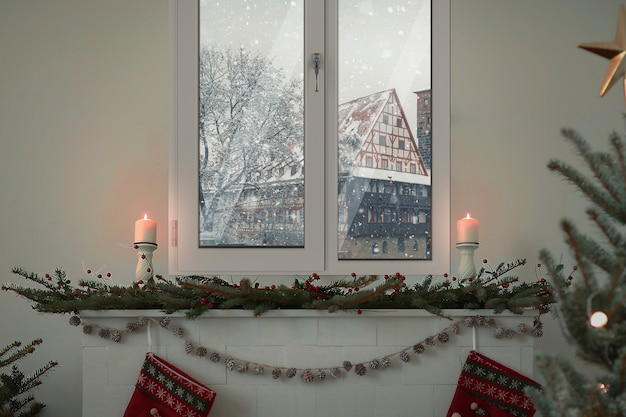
(291, 372)
(430, 341)
(385, 363)
(443, 337)
(258, 370)
(178, 331)
(243, 367)
(523, 328)
(347, 365)
(164, 322)
(87, 329)
(276, 373)
(375, 364)
(104, 333)
(230, 364)
(335, 372)
(132, 326)
(188, 347)
(201, 351)
(405, 357)
(454, 329)
(215, 357)
(321, 375)
(489, 321)
(75, 321)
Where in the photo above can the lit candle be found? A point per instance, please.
(145, 230)
(467, 229)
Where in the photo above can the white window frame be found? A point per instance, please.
(321, 244)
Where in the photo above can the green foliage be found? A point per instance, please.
(196, 295)
(601, 262)
(15, 387)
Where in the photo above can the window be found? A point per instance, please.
(333, 156)
(401, 144)
(399, 166)
(382, 140)
(385, 164)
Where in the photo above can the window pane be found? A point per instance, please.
(250, 123)
(384, 80)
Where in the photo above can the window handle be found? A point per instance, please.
(317, 57)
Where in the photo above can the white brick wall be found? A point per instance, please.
(422, 387)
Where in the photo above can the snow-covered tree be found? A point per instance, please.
(250, 123)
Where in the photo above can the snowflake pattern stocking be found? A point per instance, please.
(488, 388)
(162, 390)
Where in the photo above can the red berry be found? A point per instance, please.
(143, 256)
(485, 261)
(140, 282)
(445, 275)
(359, 311)
(386, 276)
(543, 279)
(203, 301)
(149, 270)
(470, 279)
(575, 268)
(538, 265)
(108, 274)
(136, 246)
(356, 288)
(315, 275)
(570, 278)
(353, 275)
(89, 271)
(273, 286)
(453, 278)
(99, 275)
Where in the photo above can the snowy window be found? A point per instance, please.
(274, 163)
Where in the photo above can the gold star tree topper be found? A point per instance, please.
(615, 52)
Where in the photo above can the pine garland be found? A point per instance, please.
(490, 289)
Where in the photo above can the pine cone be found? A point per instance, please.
(115, 336)
(419, 348)
(375, 364)
(201, 351)
(164, 322)
(215, 357)
(469, 322)
(490, 321)
(360, 369)
(347, 365)
(430, 341)
(230, 364)
(508, 333)
(454, 329)
(87, 329)
(321, 375)
(498, 333)
(75, 320)
(480, 321)
(386, 363)
(141, 321)
(132, 326)
(258, 370)
(538, 332)
(443, 337)
(307, 376)
(188, 347)
(335, 372)
(291, 372)
(178, 331)
(243, 367)
(104, 333)
(276, 373)
(404, 357)
(522, 328)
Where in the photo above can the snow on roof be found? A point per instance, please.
(358, 115)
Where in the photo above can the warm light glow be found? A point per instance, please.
(468, 216)
(598, 319)
(145, 216)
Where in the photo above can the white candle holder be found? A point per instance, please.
(467, 268)
(145, 270)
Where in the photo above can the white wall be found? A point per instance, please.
(84, 125)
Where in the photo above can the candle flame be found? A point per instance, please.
(145, 216)
(468, 216)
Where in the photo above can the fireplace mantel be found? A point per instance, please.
(302, 339)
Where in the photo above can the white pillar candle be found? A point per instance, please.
(145, 230)
(467, 229)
